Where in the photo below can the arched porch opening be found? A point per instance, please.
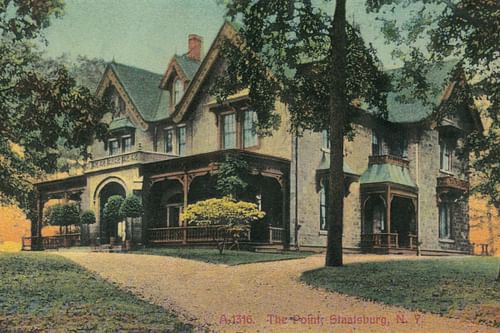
(403, 220)
(375, 220)
(108, 229)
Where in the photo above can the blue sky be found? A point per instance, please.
(146, 33)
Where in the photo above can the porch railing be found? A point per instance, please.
(388, 240)
(276, 235)
(50, 242)
(203, 234)
(195, 234)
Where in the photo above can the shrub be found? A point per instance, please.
(111, 212)
(88, 217)
(131, 206)
(63, 215)
(55, 215)
(231, 217)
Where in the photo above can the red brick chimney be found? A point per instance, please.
(195, 47)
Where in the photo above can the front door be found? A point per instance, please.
(173, 215)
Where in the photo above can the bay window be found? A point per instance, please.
(181, 141)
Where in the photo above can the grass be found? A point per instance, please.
(455, 287)
(228, 257)
(43, 292)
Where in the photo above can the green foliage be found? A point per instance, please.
(39, 105)
(51, 293)
(446, 286)
(222, 212)
(436, 30)
(111, 212)
(131, 206)
(231, 178)
(285, 53)
(231, 217)
(63, 215)
(88, 217)
(55, 215)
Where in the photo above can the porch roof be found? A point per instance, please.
(387, 173)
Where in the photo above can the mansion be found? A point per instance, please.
(405, 185)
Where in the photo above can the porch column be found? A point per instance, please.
(185, 189)
(388, 215)
(285, 211)
(37, 232)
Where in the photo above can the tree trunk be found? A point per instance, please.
(338, 106)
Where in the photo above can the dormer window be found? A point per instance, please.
(177, 91)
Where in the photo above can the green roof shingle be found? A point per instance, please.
(387, 173)
(415, 110)
(189, 66)
(142, 87)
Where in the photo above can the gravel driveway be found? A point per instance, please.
(262, 297)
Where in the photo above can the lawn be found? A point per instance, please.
(43, 292)
(228, 257)
(455, 287)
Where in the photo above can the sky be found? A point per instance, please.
(147, 33)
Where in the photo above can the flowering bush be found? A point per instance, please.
(231, 217)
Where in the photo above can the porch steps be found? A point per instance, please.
(271, 248)
(107, 248)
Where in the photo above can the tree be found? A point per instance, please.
(87, 218)
(131, 207)
(231, 176)
(63, 215)
(38, 105)
(316, 63)
(112, 212)
(55, 215)
(463, 29)
(231, 218)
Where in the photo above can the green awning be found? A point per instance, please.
(120, 123)
(387, 173)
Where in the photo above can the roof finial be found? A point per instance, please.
(113, 61)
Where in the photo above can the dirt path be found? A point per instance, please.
(264, 297)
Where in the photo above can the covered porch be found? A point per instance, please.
(66, 189)
(173, 184)
(389, 206)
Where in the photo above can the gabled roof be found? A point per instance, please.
(439, 77)
(226, 31)
(188, 65)
(142, 87)
(181, 65)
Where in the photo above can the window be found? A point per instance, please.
(121, 106)
(444, 221)
(113, 146)
(126, 144)
(445, 156)
(229, 134)
(249, 134)
(169, 141)
(326, 139)
(181, 141)
(376, 144)
(323, 225)
(178, 91)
